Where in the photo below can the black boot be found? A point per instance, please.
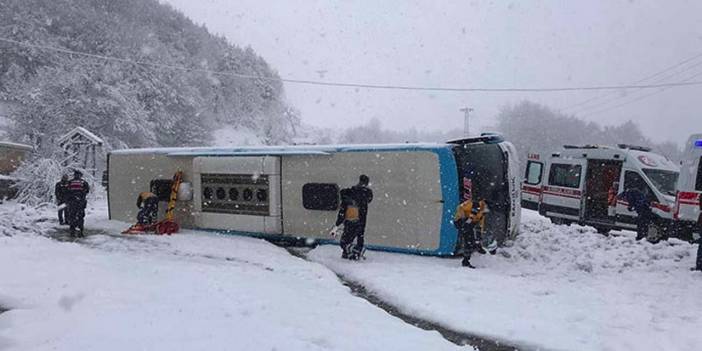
(466, 263)
(72, 231)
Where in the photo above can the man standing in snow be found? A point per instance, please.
(352, 214)
(60, 191)
(698, 264)
(639, 202)
(76, 200)
(468, 215)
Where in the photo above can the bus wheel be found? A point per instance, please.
(655, 233)
(603, 230)
(556, 220)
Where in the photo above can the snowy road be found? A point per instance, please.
(191, 291)
(556, 287)
(564, 288)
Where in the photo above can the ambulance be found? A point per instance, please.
(579, 184)
(687, 200)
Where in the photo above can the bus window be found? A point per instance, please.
(698, 186)
(320, 196)
(533, 172)
(634, 180)
(565, 175)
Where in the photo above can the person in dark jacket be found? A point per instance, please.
(353, 213)
(60, 192)
(76, 201)
(147, 202)
(639, 202)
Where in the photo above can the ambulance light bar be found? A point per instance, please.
(581, 146)
(634, 147)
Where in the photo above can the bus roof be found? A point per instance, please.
(281, 150)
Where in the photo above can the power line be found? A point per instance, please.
(587, 109)
(667, 69)
(634, 100)
(352, 85)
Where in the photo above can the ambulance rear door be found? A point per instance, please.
(533, 179)
(562, 193)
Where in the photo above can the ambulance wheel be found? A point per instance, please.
(655, 233)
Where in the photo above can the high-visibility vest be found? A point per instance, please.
(465, 211)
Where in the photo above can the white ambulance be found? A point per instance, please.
(579, 184)
(687, 200)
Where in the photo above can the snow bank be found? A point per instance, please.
(555, 287)
(190, 291)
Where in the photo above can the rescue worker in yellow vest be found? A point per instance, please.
(147, 202)
(469, 217)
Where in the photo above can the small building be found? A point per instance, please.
(11, 156)
(81, 147)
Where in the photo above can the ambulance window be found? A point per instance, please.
(634, 180)
(533, 172)
(565, 175)
(320, 196)
(698, 185)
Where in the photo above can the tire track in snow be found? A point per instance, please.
(457, 337)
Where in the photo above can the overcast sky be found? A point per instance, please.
(492, 44)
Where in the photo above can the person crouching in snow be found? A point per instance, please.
(468, 215)
(352, 214)
(147, 202)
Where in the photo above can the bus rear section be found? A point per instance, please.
(488, 171)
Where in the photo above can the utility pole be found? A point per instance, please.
(466, 119)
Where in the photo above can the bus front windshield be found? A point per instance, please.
(664, 181)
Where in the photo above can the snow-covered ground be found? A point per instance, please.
(555, 287)
(191, 291)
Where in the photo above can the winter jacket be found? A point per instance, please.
(78, 189)
(470, 212)
(638, 201)
(144, 196)
(61, 191)
(357, 197)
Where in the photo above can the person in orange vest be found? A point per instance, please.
(469, 217)
(147, 202)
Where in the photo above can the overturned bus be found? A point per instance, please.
(292, 192)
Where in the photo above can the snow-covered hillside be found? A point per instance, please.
(564, 288)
